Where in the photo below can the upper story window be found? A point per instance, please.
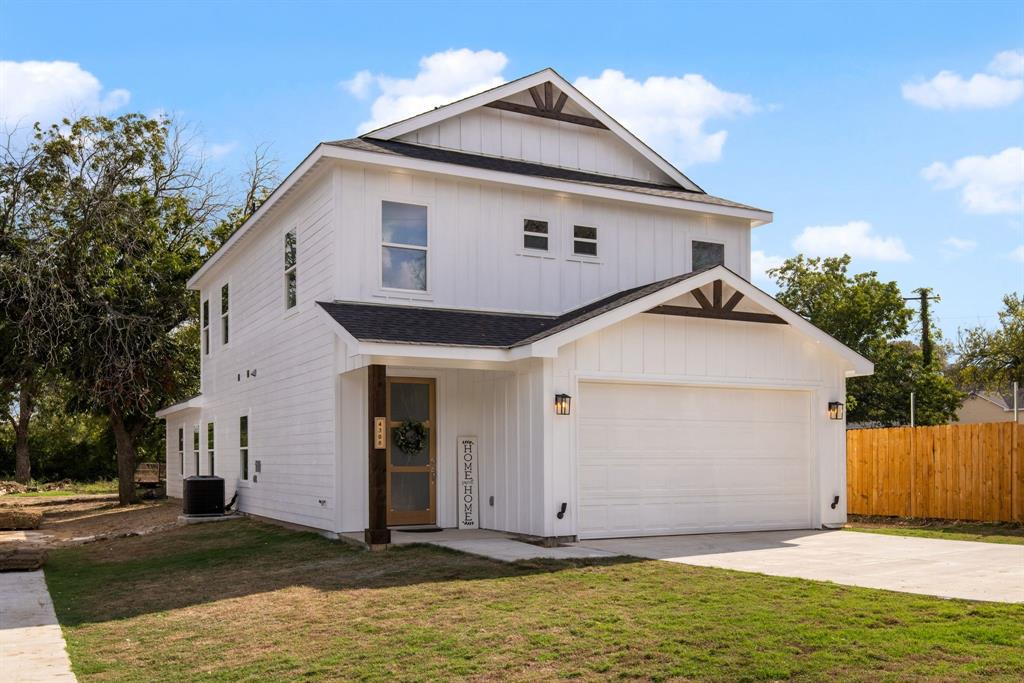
(291, 260)
(225, 300)
(584, 240)
(535, 235)
(206, 327)
(707, 254)
(403, 246)
(243, 447)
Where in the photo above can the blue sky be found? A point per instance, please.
(838, 117)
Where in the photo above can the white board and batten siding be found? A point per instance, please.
(504, 410)
(511, 135)
(475, 256)
(278, 368)
(731, 381)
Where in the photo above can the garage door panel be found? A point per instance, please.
(661, 459)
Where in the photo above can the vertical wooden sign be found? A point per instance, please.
(468, 483)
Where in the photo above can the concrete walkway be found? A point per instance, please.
(496, 545)
(31, 644)
(929, 566)
(510, 550)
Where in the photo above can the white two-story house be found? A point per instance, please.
(508, 313)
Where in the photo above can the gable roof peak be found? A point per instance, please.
(595, 116)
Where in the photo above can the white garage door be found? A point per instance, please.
(662, 459)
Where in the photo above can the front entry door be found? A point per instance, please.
(412, 451)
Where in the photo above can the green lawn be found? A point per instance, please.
(242, 601)
(76, 488)
(994, 532)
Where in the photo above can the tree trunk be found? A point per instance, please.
(22, 463)
(125, 459)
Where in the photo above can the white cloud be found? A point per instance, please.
(1018, 254)
(443, 77)
(987, 185)
(49, 91)
(960, 244)
(1009, 63)
(219, 150)
(761, 263)
(855, 238)
(949, 90)
(360, 84)
(669, 112)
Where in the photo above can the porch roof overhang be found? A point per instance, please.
(187, 404)
(379, 330)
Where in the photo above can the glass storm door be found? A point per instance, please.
(412, 451)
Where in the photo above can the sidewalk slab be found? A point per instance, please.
(31, 643)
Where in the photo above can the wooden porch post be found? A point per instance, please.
(376, 385)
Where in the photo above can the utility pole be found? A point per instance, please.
(924, 296)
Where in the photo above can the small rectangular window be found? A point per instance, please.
(403, 246)
(210, 446)
(707, 254)
(181, 449)
(243, 447)
(206, 327)
(291, 261)
(584, 240)
(195, 448)
(225, 300)
(535, 235)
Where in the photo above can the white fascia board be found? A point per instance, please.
(447, 111)
(533, 182)
(511, 88)
(548, 347)
(289, 183)
(191, 404)
(435, 351)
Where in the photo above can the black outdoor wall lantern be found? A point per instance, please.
(562, 404)
(835, 410)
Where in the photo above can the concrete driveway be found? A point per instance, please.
(948, 569)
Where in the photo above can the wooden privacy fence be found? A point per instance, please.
(969, 471)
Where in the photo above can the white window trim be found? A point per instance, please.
(585, 258)
(204, 327)
(227, 315)
(689, 250)
(553, 243)
(245, 483)
(290, 310)
(197, 446)
(427, 293)
(211, 453)
(181, 450)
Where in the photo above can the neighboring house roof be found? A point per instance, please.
(527, 168)
(1002, 401)
(448, 327)
(540, 335)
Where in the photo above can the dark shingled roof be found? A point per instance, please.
(531, 169)
(447, 327)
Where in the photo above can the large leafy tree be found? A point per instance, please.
(26, 343)
(871, 317)
(119, 224)
(994, 359)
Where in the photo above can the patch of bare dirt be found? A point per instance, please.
(79, 519)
